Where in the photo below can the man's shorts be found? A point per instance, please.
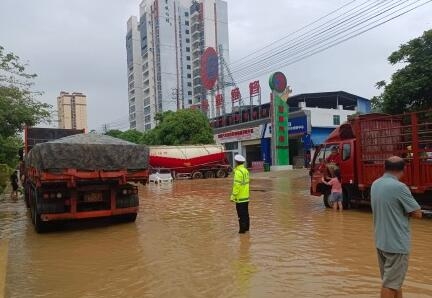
(336, 197)
(393, 268)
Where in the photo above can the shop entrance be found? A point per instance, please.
(253, 153)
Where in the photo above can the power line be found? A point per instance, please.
(338, 41)
(293, 38)
(344, 25)
(290, 34)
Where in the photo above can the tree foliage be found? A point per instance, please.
(18, 105)
(184, 127)
(410, 88)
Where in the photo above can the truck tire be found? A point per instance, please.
(209, 174)
(39, 225)
(221, 173)
(326, 200)
(197, 175)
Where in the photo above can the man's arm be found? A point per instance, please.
(410, 205)
(416, 214)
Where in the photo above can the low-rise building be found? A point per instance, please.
(312, 118)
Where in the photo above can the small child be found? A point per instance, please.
(336, 190)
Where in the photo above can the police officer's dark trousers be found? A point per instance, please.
(243, 216)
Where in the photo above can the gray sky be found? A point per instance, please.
(80, 46)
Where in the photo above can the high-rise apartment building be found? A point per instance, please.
(163, 57)
(72, 110)
(209, 21)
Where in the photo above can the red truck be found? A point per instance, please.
(364, 142)
(196, 162)
(71, 175)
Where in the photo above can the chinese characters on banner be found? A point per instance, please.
(219, 100)
(254, 88)
(235, 95)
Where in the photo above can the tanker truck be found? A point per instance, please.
(195, 161)
(364, 142)
(81, 176)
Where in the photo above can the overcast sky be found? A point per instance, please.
(80, 46)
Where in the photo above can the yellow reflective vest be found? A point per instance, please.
(240, 191)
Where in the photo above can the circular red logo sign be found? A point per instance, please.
(209, 68)
(278, 82)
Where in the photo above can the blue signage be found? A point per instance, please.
(297, 126)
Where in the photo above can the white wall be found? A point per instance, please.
(324, 117)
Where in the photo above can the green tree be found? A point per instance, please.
(410, 88)
(115, 133)
(18, 105)
(184, 127)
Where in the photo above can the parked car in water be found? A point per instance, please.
(160, 176)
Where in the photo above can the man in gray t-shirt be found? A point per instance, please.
(392, 205)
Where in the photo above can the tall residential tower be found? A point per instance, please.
(163, 51)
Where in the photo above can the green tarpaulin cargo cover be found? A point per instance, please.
(88, 152)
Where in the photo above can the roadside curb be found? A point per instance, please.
(3, 266)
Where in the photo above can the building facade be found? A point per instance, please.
(72, 110)
(161, 57)
(312, 118)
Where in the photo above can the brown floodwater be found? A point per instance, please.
(185, 244)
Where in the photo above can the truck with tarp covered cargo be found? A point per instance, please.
(80, 176)
(364, 142)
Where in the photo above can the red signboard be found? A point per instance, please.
(219, 100)
(235, 94)
(209, 68)
(204, 105)
(254, 88)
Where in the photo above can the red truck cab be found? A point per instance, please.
(364, 142)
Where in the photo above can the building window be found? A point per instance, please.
(189, 92)
(231, 146)
(187, 49)
(187, 31)
(133, 124)
(186, 14)
(188, 40)
(187, 23)
(188, 67)
(167, 20)
(147, 126)
(189, 76)
(188, 58)
(336, 120)
(189, 84)
(190, 101)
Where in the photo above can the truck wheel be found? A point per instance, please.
(209, 174)
(197, 175)
(221, 173)
(326, 200)
(40, 226)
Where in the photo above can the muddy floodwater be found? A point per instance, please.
(185, 244)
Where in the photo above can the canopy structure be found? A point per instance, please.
(89, 152)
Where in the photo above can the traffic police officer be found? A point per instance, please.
(240, 193)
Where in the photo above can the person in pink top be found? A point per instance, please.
(336, 190)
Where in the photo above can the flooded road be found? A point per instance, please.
(185, 244)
